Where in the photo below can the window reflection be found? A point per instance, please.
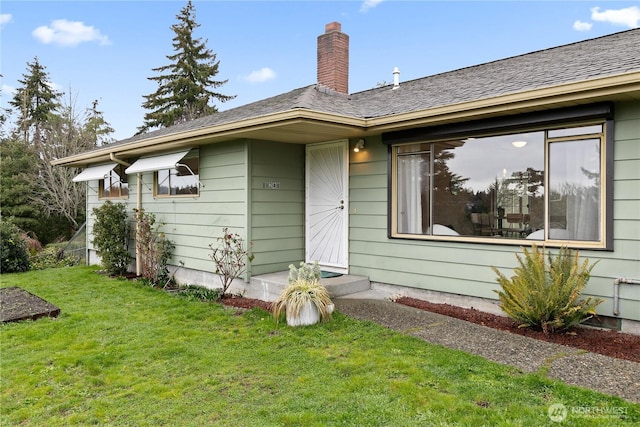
(183, 180)
(481, 186)
(115, 184)
(494, 186)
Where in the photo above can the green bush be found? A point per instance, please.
(544, 291)
(111, 237)
(199, 293)
(14, 255)
(52, 257)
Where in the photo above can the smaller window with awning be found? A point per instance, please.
(175, 174)
(156, 163)
(93, 173)
(112, 181)
(115, 185)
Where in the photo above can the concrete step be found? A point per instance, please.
(268, 287)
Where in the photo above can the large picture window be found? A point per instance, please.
(114, 185)
(542, 185)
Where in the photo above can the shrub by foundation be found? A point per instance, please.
(544, 290)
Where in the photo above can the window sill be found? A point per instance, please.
(500, 240)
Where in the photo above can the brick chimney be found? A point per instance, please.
(333, 58)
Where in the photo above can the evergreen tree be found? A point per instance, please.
(42, 199)
(18, 184)
(19, 187)
(185, 87)
(96, 127)
(35, 101)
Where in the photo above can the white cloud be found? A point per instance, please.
(5, 18)
(369, 4)
(68, 33)
(55, 86)
(7, 91)
(261, 75)
(628, 17)
(582, 26)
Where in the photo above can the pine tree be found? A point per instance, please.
(185, 86)
(35, 101)
(96, 129)
(18, 176)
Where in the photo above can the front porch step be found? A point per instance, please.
(268, 287)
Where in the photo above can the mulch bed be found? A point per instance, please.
(16, 304)
(246, 303)
(607, 342)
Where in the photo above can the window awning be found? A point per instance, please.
(155, 163)
(95, 172)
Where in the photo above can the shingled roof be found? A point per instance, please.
(605, 56)
(609, 55)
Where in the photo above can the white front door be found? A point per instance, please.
(327, 189)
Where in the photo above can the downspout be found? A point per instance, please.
(616, 292)
(138, 206)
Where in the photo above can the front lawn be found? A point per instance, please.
(124, 354)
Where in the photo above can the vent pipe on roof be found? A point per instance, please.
(396, 78)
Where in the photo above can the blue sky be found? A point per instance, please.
(105, 50)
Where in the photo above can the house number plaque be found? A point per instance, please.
(271, 185)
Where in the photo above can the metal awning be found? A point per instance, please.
(155, 163)
(95, 172)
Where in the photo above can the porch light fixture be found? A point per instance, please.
(359, 146)
(519, 144)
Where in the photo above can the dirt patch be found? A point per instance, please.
(607, 342)
(246, 303)
(16, 304)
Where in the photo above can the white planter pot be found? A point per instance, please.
(309, 315)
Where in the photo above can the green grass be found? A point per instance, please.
(124, 354)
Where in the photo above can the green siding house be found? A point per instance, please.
(420, 186)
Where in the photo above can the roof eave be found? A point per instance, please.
(276, 126)
(305, 126)
(619, 87)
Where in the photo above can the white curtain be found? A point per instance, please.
(411, 174)
(577, 174)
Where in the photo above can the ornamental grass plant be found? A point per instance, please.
(304, 287)
(545, 289)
